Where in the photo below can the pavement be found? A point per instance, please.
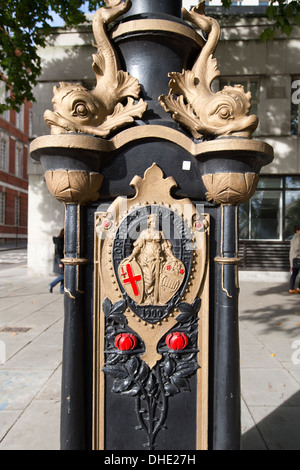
(31, 327)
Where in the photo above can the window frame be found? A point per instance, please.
(20, 118)
(283, 188)
(4, 160)
(19, 156)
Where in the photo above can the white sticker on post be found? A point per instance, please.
(186, 165)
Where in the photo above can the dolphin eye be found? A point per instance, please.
(80, 109)
(224, 112)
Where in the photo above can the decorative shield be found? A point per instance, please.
(171, 278)
(131, 278)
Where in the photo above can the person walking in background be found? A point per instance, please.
(295, 260)
(58, 267)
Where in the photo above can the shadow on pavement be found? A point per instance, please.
(280, 430)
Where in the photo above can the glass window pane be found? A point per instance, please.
(266, 215)
(292, 181)
(292, 212)
(269, 182)
(244, 221)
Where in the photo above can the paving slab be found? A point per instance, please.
(270, 366)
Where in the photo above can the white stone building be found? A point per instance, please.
(270, 70)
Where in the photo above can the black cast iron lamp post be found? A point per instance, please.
(151, 166)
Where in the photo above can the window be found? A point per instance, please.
(30, 122)
(3, 94)
(17, 211)
(4, 142)
(249, 84)
(273, 210)
(20, 118)
(19, 160)
(2, 208)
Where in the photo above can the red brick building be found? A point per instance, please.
(14, 131)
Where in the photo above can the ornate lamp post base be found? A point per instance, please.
(151, 166)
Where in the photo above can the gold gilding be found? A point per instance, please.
(191, 101)
(98, 112)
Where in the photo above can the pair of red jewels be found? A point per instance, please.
(128, 341)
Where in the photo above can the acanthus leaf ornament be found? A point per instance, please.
(192, 103)
(111, 104)
(71, 186)
(230, 188)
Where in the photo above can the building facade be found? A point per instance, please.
(15, 128)
(270, 70)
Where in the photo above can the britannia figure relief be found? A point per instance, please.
(151, 275)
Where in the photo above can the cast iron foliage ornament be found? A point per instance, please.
(101, 110)
(134, 378)
(191, 100)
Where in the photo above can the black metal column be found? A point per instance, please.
(226, 433)
(72, 394)
(170, 7)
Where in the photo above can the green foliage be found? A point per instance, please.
(24, 26)
(283, 16)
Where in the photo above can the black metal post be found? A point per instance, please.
(72, 395)
(170, 7)
(226, 434)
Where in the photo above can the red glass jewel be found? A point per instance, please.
(125, 341)
(176, 340)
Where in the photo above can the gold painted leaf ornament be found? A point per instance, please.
(74, 186)
(230, 188)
